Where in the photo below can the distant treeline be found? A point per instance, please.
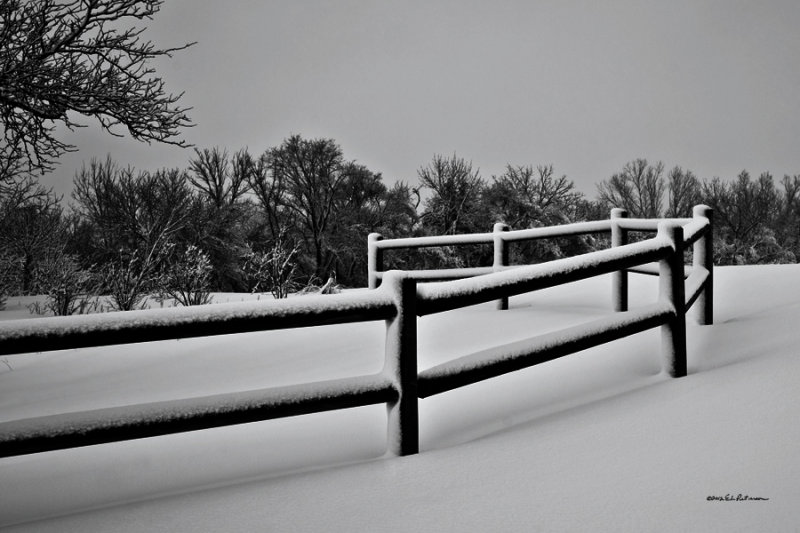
(298, 215)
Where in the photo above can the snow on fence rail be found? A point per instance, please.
(398, 301)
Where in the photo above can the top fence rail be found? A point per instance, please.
(697, 227)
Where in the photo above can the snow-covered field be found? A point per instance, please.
(597, 441)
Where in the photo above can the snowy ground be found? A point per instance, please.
(597, 441)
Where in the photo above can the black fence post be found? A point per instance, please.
(703, 256)
(671, 280)
(619, 279)
(500, 256)
(401, 365)
(374, 260)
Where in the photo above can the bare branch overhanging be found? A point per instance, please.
(64, 58)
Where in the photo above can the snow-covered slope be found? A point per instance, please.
(597, 441)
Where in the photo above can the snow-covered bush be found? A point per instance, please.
(273, 270)
(761, 248)
(68, 288)
(187, 278)
(129, 279)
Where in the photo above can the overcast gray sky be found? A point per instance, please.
(713, 86)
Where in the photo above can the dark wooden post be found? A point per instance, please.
(401, 364)
(673, 333)
(500, 256)
(619, 279)
(374, 260)
(703, 256)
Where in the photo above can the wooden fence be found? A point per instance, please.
(399, 300)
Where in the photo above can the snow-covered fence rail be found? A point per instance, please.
(507, 358)
(161, 418)
(139, 421)
(499, 238)
(84, 331)
(398, 301)
(697, 230)
(435, 298)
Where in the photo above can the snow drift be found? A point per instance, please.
(596, 441)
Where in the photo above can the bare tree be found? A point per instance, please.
(746, 213)
(133, 218)
(358, 211)
(525, 197)
(398, 210)
(788, 229)
(221, 179)
(31, 228)
(132, 210)
(59, 57)
(456, 189)
(271, 193)
(684, 192)
(639, 188)
(311, 171)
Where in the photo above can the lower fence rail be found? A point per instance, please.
(101, 426)
(436, 298)
(514, 356)
(695, 285)
(651, 269)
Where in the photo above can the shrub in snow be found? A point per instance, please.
(274, 270)
(129, 279)
(68, 288)
(761, 248)
(187, 278)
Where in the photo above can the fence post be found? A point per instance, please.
(401, 365)
(374, 260)
(619, 279)
(671, 281)
(500, 256)
(703, 256)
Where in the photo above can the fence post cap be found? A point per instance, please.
(702, 210)
(500, 226)
(619, 212)
(374, 237)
